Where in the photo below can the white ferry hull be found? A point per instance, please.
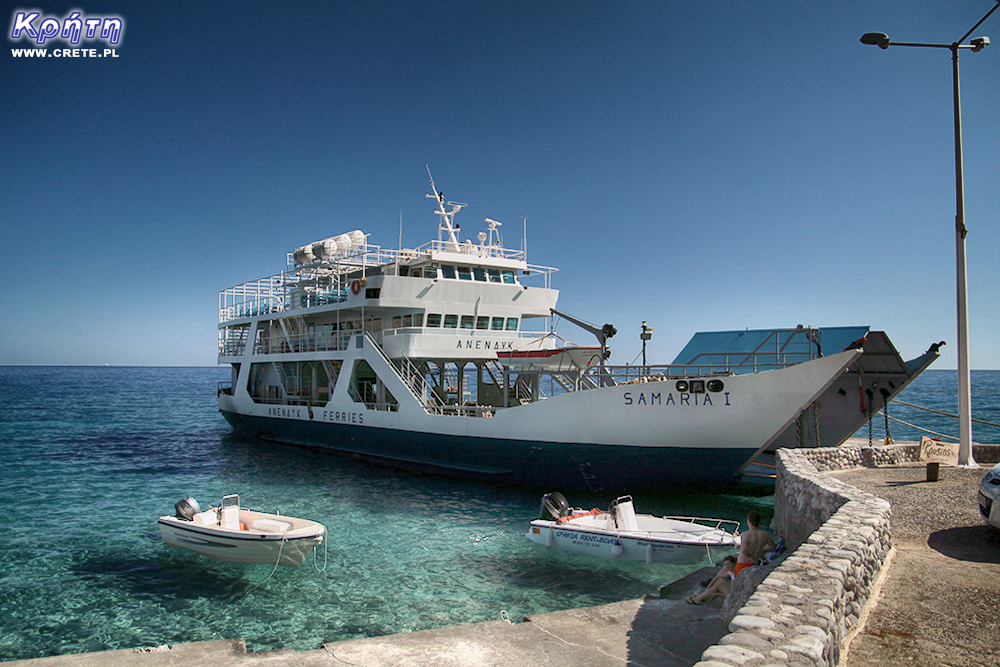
(626, 436)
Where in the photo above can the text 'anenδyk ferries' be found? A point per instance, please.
(438, 359)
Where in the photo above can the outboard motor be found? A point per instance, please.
(186, 508)
(554, 506)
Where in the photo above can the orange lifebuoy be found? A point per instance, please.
(355, 286)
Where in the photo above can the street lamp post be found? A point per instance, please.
(965, 457)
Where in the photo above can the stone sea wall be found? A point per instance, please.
(797, 612)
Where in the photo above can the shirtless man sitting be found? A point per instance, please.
(754, 543)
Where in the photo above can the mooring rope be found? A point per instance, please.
(919, 428)
(326, 546)
(273, 570)
(938, 412)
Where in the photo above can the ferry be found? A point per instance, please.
(443, 358)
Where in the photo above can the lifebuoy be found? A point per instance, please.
(355, 286)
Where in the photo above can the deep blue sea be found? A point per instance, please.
(93, 455)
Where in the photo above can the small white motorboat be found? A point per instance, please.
(238, 535)
(619, 533)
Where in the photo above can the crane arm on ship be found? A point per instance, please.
(602, 333)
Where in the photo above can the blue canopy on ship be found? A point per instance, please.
(752, 350)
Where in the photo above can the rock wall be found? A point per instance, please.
(798, 611)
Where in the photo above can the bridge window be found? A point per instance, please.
(448, 271)
(497, 324)
(467, 321)
(451, 321)
(464, 273)
(508, 277)
(494, 275)
(480, 274)
(434, 320)
(511, 324)
(482, 322)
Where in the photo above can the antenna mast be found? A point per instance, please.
(447, 217)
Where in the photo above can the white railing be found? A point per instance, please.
(257, 297)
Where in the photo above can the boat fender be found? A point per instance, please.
(355, 286)
(550, 537)
(617, 551)
(243, 526)
(649, 554)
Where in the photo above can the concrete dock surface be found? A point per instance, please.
(939, 606)
(940, 602)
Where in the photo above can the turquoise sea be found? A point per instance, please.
(93, 455)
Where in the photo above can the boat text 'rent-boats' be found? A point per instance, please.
(427, 359)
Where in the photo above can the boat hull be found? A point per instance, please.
(241, 546)
(613, 438)
(575, 466)
(622, 546)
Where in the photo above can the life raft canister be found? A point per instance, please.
(355, 286)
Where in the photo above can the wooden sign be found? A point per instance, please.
(935, 451)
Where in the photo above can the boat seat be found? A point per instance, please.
(625, 515)
(206, 518)
(271, 526)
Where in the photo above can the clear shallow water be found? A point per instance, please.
(92, 456)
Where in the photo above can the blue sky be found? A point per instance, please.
(698, 165)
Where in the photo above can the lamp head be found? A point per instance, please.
(879, 39)
(979, 43)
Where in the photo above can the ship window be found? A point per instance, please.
(480, 274)
(404, 270)
(397, 322)
(482, 322)
(430, 272)
(464, 273)
(494, 275)
(407, 320)
(508, 277)
(467, 321)
(451, 321)
(497, 324)
(448, 271)
(415, 273)
(511, 324)
(434, 320)
(418, 320)
(372, 292)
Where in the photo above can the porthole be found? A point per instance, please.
(682, 385)
(716, 386)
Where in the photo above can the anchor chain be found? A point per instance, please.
(885, 411)
(869, 410)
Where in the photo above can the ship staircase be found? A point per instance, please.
(234, 343)
(409, 376)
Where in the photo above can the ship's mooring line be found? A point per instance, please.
(919, 428)
(938, 412)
